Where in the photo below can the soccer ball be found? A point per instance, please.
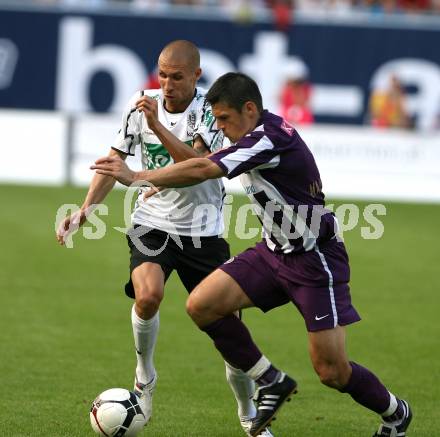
(116, 413)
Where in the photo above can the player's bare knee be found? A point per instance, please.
(326, 373)
(330, 375)
(198, 310)
(193, 308)
(148, 301)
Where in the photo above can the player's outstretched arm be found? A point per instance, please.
(99, 187)
(178, 150)
(190, 172)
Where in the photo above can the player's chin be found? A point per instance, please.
(231, 138)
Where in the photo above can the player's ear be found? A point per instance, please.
(250, 107)
(198, 73)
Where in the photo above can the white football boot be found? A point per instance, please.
(247, 424)
(145, 395)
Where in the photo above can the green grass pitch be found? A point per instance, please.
(66, 333)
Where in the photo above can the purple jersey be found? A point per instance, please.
(280, 176)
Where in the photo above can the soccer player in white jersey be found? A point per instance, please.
(176, 229)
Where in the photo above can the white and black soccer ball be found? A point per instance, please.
(116, 413)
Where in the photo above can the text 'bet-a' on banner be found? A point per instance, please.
(94, 62)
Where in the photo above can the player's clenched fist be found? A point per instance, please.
(69, 225)
(148, 106)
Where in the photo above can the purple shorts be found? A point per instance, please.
(316, 282)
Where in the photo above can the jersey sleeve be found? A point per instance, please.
(207, 129)
(129, 133)
(254, 151)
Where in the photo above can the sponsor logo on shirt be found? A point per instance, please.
(155, 155)
(191, 122)
(288, 128)
(250, 189)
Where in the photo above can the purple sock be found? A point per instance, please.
(233, 340)
(366, 389)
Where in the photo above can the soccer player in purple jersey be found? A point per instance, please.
(301, 259)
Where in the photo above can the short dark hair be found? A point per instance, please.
(235, 89)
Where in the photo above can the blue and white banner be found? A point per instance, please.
(380, 165)
(80, 62)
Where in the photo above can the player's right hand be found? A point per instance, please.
(149, 107)
(69, 225)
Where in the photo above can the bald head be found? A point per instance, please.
(178, 72)
(181, 53)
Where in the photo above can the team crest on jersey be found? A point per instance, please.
(287, 127)
(191, 123)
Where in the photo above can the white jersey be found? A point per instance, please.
(189, 211)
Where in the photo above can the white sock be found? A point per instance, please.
(243, 388)
(145, 336)
(391, 410)
(261, 366)
(393, 406)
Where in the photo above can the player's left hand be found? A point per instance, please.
(116, 167)
(152, 191)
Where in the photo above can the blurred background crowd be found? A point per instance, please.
(386, 108)
(282, 8)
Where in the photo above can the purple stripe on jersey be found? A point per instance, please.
(262, 158)
(253, 150)
(221, 165)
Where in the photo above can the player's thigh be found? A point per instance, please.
(256, 271)
(148, 280)
(327, 347)
(151, 260)
(218, 294)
